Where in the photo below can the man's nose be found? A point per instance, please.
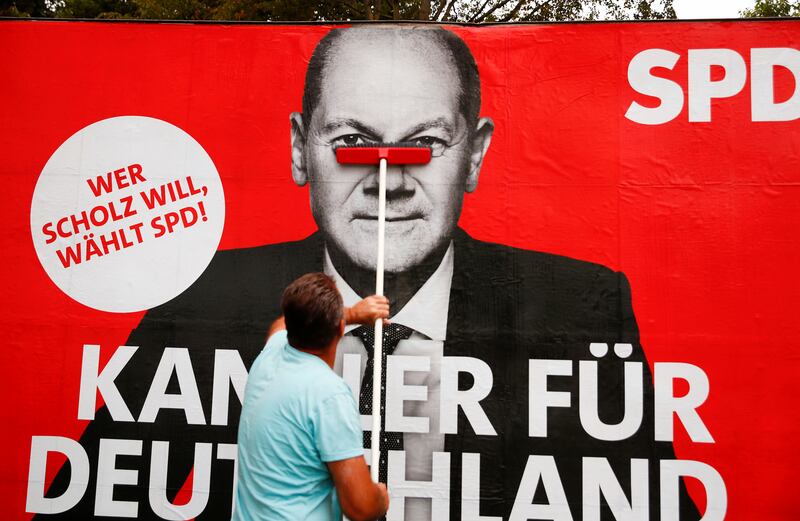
(396, 178)
(397, 181)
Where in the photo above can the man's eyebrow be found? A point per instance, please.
(363, 128)
(338, 123)
(439, 122)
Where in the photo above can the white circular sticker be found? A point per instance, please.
(127, 213)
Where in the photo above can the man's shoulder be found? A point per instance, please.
(327, 384)
(554, 298)
(313, 382)
(543, 291)
(501, 262)
(239, 281)
(261, 264)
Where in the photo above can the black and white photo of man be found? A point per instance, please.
(456, 298)
(424, 95)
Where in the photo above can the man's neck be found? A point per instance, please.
(328, 354)
(398, 287)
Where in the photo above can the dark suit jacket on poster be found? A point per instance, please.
(506, 306)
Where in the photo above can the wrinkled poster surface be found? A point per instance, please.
(597, 266)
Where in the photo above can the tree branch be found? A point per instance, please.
(481, 8)
(438, 11)
(503, 3)
(358, 9)
(446, 15)
(511, 14)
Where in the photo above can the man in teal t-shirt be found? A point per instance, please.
(300, 441)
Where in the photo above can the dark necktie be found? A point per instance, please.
(392, 335)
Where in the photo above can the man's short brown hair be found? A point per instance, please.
(312, 309)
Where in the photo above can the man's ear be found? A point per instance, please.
(299, 173)
(481, 138)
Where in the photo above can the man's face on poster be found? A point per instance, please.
(388, 86)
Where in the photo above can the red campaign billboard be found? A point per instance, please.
(596, 264)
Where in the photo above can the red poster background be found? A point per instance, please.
(701, 217)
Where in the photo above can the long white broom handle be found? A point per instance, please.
(378, 354)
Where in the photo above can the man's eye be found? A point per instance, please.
(436, 145)
(426, 141)
(349, 140)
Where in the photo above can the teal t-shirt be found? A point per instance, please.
(297, 415)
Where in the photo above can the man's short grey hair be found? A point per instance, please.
(469, 96)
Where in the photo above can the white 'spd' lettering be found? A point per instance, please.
(701, 89)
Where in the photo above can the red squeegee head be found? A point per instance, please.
(393, 153)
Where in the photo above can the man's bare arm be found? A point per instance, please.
(365, 312)
(361, 499)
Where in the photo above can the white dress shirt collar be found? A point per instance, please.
(426, 312)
